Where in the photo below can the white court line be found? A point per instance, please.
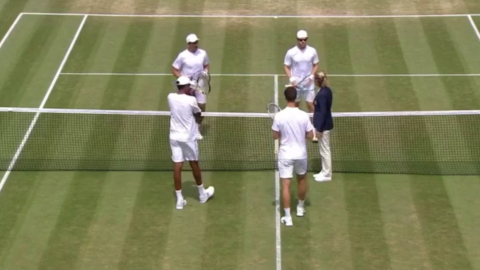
(474, 26)
(45, 98)
(278, 232)
(268, 75)
(247, 16)
(10, 30)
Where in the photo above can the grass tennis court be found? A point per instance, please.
(127, 220)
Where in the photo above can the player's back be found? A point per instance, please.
(293, 124)
(182, 120)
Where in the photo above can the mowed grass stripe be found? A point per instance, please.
(81, 57)
(449, 60)
(402, 225)
(146, 238)
(31, 72)
(15, 200)
(107, 233)
(9, 11)
(40, 216)
(365, 58)
(76, 217)
(440, 229)
(229, 204)
(463, 193)
(419, 58)
(368, 244)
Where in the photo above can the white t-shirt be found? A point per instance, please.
(293, 124)
(301, 61)
(189, 63)
(182, 120)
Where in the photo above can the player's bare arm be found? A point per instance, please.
(315, 69)
(287, 70)
(176, 72)
(276, 135)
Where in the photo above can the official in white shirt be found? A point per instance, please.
(191, 63)
(302, 61)
(184, 116)
(292, 127)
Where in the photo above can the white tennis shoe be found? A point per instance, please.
(207, 195)
(319, 177)
(300, 211)
(181, 203)
(287, 221)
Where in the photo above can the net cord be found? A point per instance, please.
(234, 114)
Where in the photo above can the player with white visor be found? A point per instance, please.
(193, 63)
(300, 66)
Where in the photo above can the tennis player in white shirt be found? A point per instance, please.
(293, 127)
(302, 61)
(191, 63)
(184, 115)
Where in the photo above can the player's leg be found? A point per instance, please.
(326, 157)
(190, 150)
(178, 159)
(301, 167)
(285, 168)
(299, 97)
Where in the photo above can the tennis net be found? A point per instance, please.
(434, 142)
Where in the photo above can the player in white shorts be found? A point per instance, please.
(184, 114)
(191, 63)
(302, 61)
(292, 127)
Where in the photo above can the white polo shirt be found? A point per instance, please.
(189, 63)
(183, 127)
(293, 125)
(301, 61)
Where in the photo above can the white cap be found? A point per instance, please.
(302, 34)
(182, 80)
(192, 38)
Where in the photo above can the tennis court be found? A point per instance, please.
(54, 219)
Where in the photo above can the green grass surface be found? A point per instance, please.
(127, 220)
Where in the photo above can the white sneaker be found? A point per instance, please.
(199, 137)
(181, 203)
(300, 211)
(208, 194)
(287, 221)
(321, 178)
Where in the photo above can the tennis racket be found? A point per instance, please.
(303, 83)
(202, 82)
(272, 110)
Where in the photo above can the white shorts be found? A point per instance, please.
(182, 151)
(308, 95)
(287, 166)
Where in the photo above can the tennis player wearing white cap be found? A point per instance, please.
(190, 62)
(302, 61)
(184, 114)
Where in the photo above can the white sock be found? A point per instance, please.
(201, 190)
(179, 194)
(301, 203)
(287, 212)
